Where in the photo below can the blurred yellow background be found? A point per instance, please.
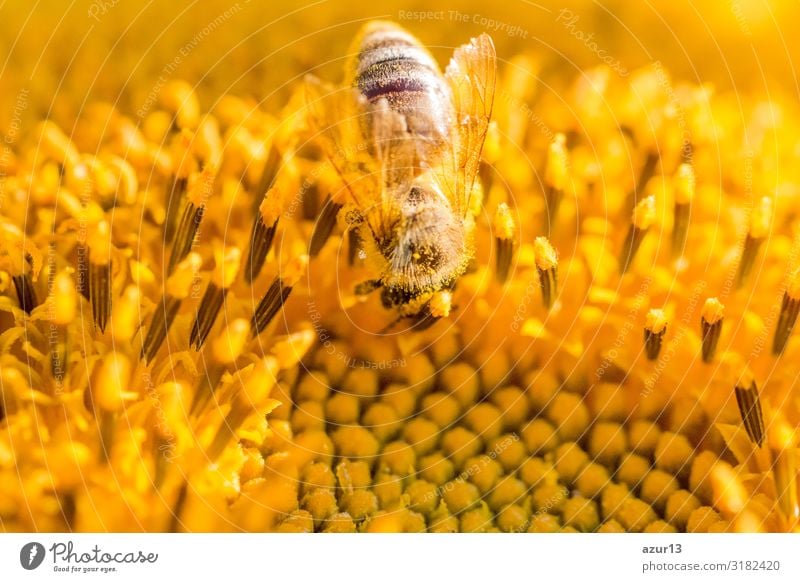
(117, 50)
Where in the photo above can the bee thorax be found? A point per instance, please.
(426, 251)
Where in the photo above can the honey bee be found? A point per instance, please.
(406, 141)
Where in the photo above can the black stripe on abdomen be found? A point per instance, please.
(395, 75)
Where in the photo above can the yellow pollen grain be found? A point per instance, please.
(569, 414)
(644, 214)
(712, 311)
(674, 453)
(308, 415)
(441, 303)
(545, 255)
(656, 321)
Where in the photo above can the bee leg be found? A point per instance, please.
(423, 321)
(426, 318)
(367, 287)
(389, 327)
(354, 246)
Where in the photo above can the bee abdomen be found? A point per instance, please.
(392, 65)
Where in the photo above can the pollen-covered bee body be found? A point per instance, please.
(425, 250)
(406, 141)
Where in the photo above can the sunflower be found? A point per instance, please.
(182, 347)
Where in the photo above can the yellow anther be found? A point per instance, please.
(503, 223)
(656, 321)
(712, 311)
(645, 213)
(203, 187)
(545, 255)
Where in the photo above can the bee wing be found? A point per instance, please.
(395, 150)
(339, 120)
(471, 75)
(333, 118)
